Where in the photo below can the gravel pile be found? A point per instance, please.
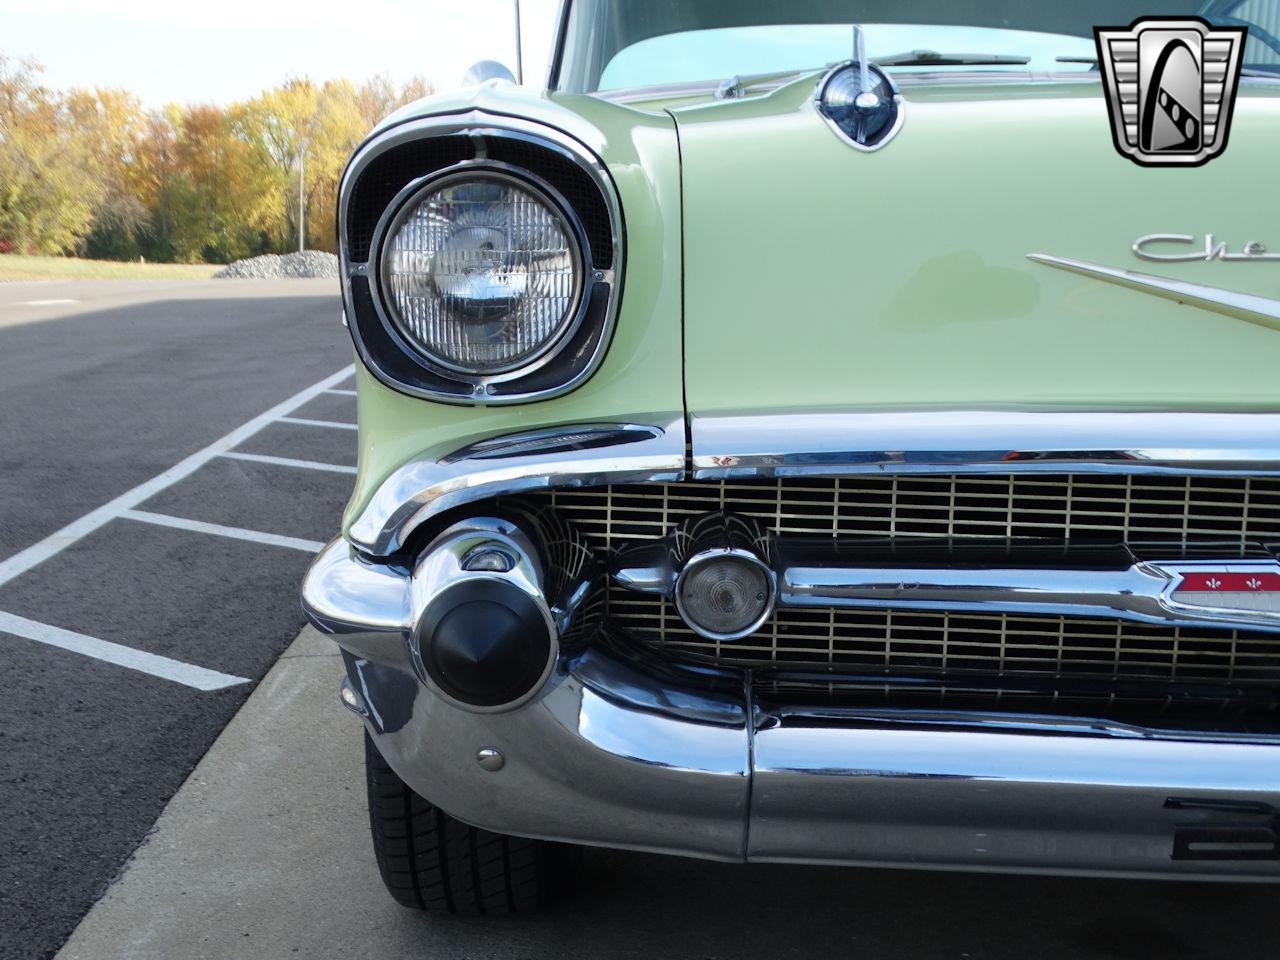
(308, 263)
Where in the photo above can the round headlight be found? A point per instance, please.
(482, 273)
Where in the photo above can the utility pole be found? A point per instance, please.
(519, 48)
(302, 201)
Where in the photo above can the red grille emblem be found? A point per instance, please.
(1230, 582)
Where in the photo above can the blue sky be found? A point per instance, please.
(181, 51)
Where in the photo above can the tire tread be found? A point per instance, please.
(431, 861)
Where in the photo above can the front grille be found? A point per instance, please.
(1175, 511)
(935, 644)
(1159, 509)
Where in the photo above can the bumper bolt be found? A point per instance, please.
(490, 759)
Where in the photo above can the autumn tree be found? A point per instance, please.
(93, 171)
(49, 192)
(277, 127)
(114, 122)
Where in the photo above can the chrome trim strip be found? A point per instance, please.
(480, 124)
(1242, 306)
(846, 793)
(1145, 592)
(984, 442)
(422, 489)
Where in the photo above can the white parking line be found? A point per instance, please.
(121, 656)
(218, 530)
(332, 424)
(45, 303)
(59, 540)
(290, 462)
(55, 543)
(342, 393)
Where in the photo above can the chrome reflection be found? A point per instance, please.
(984, 442)
(611, 754)
(577, 455)
(1147, 592)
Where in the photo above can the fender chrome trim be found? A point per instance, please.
(1243, 306)
(984, 442)
(575, 455)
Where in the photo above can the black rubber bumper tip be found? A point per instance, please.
(484, 643)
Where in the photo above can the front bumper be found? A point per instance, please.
(613, 752)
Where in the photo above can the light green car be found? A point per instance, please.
(828, 432)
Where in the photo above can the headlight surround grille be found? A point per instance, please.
(481, 270)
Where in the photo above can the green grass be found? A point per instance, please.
(15, 267)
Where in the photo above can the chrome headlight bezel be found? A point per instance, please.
(406, 203)
(395, 164)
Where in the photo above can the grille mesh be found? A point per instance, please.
(1183, 511)
(1157, 509)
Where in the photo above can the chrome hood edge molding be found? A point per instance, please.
(987, 442)
(576, 455)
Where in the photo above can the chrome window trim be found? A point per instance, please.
(479, 124)
(402, 206)
(422, 489)
(951, 78)
(557, 46)
(984, 442)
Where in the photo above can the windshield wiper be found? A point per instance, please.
(1244, 71)
(735, 86)
(932, 58)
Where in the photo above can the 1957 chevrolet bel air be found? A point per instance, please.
(830, 432)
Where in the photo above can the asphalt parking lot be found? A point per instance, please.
(153, 530)
(169, 458)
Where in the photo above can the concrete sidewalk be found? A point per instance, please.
(265, 853)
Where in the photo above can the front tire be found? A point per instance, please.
(434, 862)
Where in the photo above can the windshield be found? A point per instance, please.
(622, 44)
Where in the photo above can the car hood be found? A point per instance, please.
(825, 278)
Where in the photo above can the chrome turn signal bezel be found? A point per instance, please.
(711, 556)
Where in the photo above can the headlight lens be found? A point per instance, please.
(482, 273)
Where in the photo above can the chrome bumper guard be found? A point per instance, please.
(607, 753)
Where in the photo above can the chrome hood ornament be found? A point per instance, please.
(859, 101)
